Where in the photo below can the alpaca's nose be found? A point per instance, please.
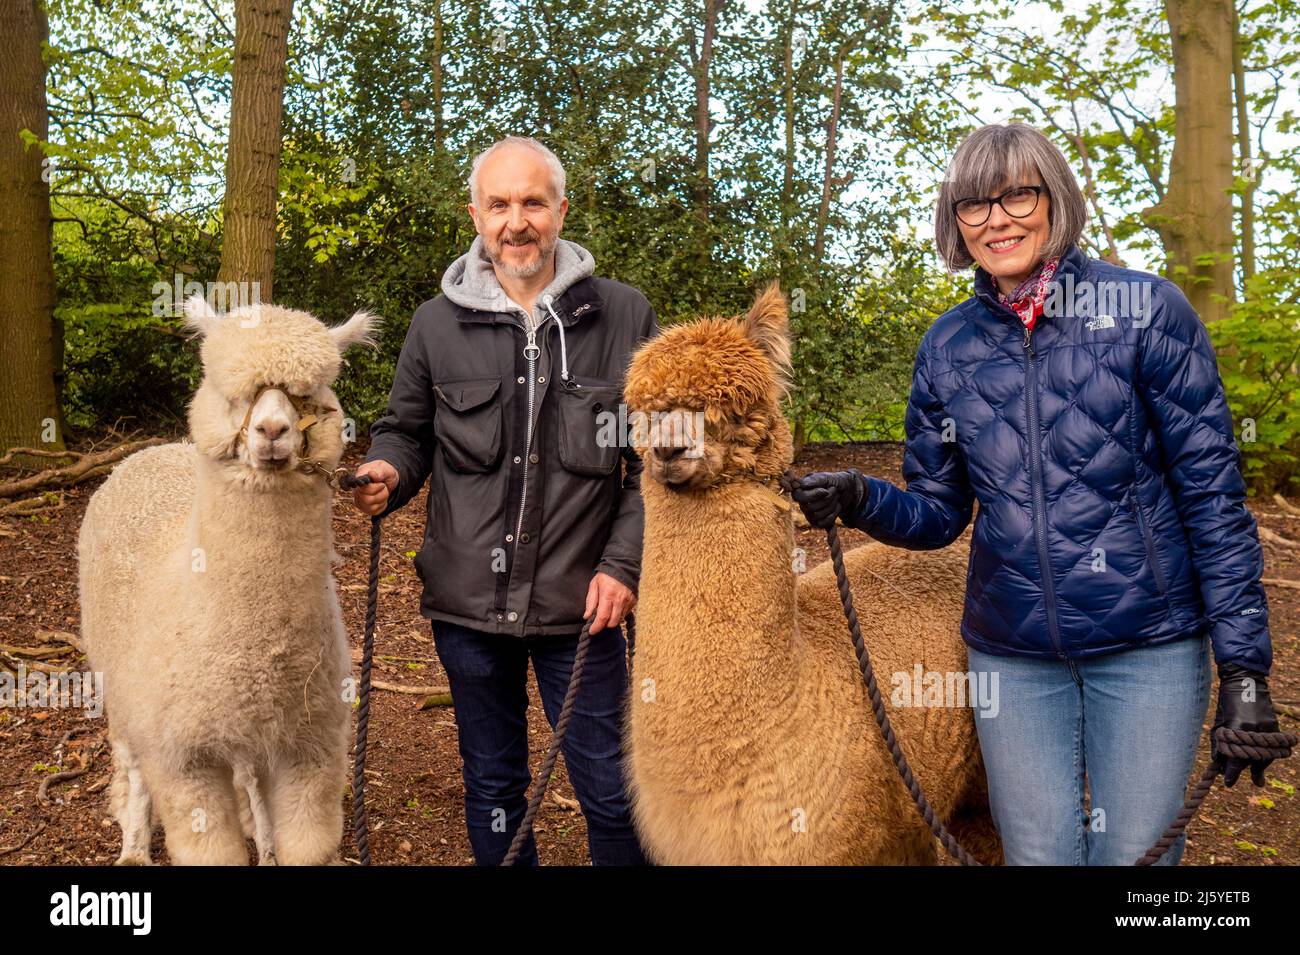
(272, 432)
(669, 453)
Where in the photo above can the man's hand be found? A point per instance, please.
(609, 600)
(372, 498)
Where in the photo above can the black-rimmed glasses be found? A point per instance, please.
(1017, 202)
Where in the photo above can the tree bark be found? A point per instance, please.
(1248, 172)
(787, 178)
(1195, 217)
(832, 133)
(704, 126)
(30, 346)
(253, 157)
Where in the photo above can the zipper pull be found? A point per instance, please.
(1028, 347)
(531, 349)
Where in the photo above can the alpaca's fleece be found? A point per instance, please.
(261, 345)
(750, 739)
(735, 373)
(209, 607)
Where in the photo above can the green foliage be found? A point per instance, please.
(611, 90)
(376, 155)
(854, 369)
(125, 357)
(124, 365)
(1258, 347)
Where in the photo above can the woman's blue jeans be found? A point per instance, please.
(1129, 721)
(488, 676)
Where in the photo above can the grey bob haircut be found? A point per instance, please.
(992, 159)
(558, 179)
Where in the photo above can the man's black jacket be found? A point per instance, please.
(516, 528)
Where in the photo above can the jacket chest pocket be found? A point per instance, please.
(589, 436)
(467, 423)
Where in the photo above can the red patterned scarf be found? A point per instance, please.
(1027, 300)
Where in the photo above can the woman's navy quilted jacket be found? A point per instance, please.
(1100, 448)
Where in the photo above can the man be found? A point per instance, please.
(501, 391)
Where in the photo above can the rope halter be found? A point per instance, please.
(309, 414)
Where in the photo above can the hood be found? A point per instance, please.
(471, 283)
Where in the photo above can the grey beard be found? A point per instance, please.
(545, 253)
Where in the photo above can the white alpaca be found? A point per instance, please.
(208, 605)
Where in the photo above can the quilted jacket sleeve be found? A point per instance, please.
(936, 507)
(1178, 379)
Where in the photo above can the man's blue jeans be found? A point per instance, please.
(488, 675)
(1130, 720)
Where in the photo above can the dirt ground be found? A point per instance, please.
(414, 788)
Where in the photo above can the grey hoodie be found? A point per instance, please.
(525, 501)
(472, 282)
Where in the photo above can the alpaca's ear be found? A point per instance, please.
(357, 330)
(199, 316)
(768, 326)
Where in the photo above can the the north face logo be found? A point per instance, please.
(1100, 322)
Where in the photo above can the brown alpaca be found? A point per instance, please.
(750, 739)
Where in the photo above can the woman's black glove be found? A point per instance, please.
(824, 496)
(1244, 704)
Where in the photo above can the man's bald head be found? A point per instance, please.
(501, 150)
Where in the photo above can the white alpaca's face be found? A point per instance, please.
(274, 442)
(265, 403)
(273, 439)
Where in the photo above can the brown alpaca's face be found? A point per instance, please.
(705, 398)
(686, 449)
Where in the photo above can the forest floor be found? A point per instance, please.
(414, 784)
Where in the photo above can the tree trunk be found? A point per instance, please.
(1195, 217)
(832, 132)
(437, 85)
(785, 251)
(30, 348)
(1248, 171)
(703, 127)
(253, 159)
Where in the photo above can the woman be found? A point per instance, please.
(1080, 403)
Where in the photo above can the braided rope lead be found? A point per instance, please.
(557, 740)
(1241, 744)
(360, 823)
(954, 848)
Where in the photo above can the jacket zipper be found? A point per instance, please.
(1038, 503)
(531, 352)
(1149, 542)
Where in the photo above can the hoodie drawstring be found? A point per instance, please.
(564, 354)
